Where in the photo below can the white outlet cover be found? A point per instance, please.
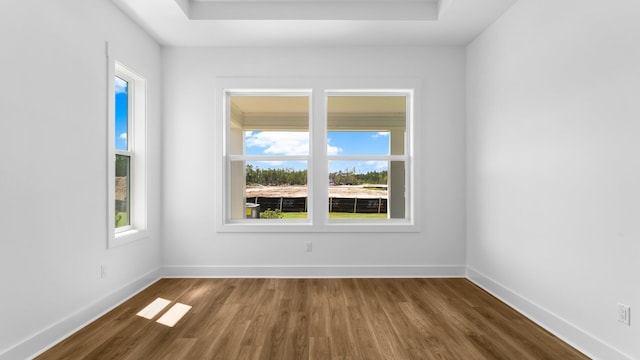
(624, 314)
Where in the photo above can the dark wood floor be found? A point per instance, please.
(317, 319)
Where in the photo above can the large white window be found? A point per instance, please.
(269, 154)
(126, 155)
(317, 155)
(366, 153)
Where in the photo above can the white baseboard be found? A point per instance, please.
(55, 333)
(417, 271)
(569, 333)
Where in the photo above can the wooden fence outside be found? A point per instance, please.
(299, 204)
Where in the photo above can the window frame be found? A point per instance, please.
(130, 144)
(264, 158)
(320, 89)
(136, 151)
(389, 158)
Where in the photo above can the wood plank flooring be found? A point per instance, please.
(316, 319)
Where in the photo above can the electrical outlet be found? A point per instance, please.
(103, 271)
(309, 246)
(624, 314)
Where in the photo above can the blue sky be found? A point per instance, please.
(339, 143)
(121, 111)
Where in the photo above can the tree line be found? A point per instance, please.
(276, 177)
(351, 177)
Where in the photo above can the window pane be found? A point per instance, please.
(358, 143)
(279, 188)
(122, 114)
(358, 189)
(276, 143)
(366, 189)
(366, 125)
(269, 125)
(123, 186)
(277, 127)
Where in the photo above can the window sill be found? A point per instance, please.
(126, 237)
(351, 227)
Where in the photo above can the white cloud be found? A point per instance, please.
(123, 136)
(333, 150)
(279, 142)
(377, 165)
(272, 163)
(379, 134)
(283, 143)
(121, 86)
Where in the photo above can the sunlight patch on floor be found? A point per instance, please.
(153, 309)
(171, 317)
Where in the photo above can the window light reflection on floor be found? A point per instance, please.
(154, 308)
(169, 318)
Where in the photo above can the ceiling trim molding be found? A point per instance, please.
(313, 23)
(380, 10)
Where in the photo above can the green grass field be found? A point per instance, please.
(121, 219)
(340, 215)
(335, 215)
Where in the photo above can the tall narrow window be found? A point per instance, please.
(127, 156)
(123, 155)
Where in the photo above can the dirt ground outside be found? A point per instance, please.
(341, 191)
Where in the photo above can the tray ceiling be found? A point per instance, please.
(314, 22)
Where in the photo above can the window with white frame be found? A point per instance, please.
(317, 158)
(366, 154)
(123, 151)
(268, 154)
(127, 156)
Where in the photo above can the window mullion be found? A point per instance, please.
(318, 168)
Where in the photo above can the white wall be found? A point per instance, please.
(552, 172)
(189, 173)
(554, 167)
(53, 102)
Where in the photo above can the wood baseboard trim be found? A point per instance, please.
(46, 338)
(449, 271)
(569, 333)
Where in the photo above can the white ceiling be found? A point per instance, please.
(314, 22)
